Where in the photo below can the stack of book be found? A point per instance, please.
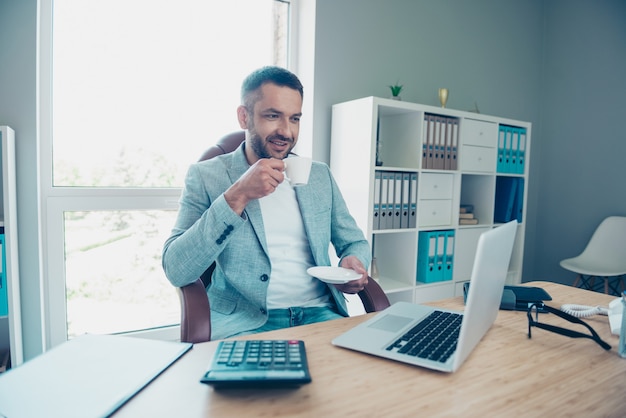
(466, 215)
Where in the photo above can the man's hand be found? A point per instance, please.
(354, 286)
(261, 179)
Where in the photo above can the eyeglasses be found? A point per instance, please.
(537, 307)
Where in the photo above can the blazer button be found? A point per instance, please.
(264, 278)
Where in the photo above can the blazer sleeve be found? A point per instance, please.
(203, 227)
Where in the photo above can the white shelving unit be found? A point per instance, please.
(397, 131)
(10, 316)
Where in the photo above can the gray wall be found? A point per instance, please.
(559, 64)
(556, 63)
(488, 53)
(582, 175)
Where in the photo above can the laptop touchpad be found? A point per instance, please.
(392, 323)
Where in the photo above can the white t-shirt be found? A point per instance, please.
(289, 252)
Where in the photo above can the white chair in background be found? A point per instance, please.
(604, 257)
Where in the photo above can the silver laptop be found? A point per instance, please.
(401, 331)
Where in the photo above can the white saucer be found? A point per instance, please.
(333, 275)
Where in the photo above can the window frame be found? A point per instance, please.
(55, 200)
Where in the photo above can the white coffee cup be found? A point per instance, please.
(297, 170)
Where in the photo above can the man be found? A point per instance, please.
(238, 211)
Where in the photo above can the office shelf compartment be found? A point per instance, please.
(512, 142)
(477, 191)
(479, 133)
(437, 203)
(392, 250)
(434, 213)
(402, 296)
(398, 132)
(437, 186)
(477, 159)
(398, 136)
(509, 199)
(435, 291)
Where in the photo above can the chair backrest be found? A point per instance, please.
(608, 244)
(224, 145)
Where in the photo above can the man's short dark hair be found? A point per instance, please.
(269, 74)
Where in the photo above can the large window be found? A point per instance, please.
(139, 89)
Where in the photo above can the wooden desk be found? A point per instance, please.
(506, 375)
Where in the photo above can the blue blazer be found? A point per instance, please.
(208, 230)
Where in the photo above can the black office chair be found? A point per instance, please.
(195, 323)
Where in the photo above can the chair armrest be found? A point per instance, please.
(195, 322)
(195, 313)
(373, 297)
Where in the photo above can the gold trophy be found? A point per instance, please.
(443, 97)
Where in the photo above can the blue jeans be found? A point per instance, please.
(292, 317)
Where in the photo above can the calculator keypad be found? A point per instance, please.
(262, 353)
(268, 361)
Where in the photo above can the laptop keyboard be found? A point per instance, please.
(434, 338)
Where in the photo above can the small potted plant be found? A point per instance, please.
(395, 91)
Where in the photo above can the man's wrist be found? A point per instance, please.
(236, 201)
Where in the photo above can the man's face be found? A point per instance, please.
(273, 124)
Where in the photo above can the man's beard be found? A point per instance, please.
(258, 145)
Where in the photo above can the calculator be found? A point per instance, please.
(258, 363)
